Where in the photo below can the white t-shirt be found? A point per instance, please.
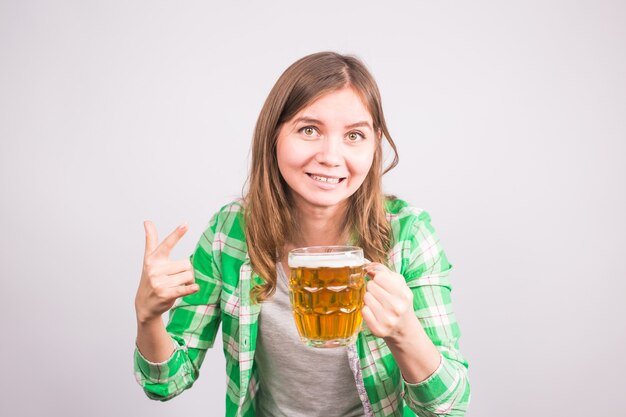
(296, 380)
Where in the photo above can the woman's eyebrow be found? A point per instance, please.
(359, 124)
(311, 120)
(307, 120)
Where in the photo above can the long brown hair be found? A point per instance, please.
(269, 220)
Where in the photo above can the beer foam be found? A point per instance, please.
(328, 260)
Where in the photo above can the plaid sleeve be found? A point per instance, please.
(426, 269)
(193, 324)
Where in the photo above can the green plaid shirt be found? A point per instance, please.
(222, 270)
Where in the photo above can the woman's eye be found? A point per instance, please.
(354, 136)
(308, 131)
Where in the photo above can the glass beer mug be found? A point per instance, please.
(326, 288)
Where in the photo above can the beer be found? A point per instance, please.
(326, 290)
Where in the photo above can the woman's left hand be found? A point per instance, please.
(388, 308)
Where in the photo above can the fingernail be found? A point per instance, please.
(182, 226)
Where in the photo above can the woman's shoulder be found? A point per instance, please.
(401, 213)
(235, 206)
(410, 225)
(229, 220)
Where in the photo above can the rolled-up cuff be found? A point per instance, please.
(436, 387)
(158, 372)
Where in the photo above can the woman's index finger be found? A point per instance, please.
(171, 240)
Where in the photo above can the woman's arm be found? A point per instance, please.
(167, 360)
(162, 282)
(389, 314)
(412, 312)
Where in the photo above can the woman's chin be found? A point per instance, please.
(327, 201)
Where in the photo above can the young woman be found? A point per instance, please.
(315, 180)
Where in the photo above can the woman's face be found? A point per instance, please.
(326, 150)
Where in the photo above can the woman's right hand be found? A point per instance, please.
(162, 280)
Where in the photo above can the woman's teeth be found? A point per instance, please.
(325, 179)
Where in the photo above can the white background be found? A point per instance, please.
(510, 122)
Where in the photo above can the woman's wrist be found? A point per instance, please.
(406, 334)
(414, 352)
(153, 341)
(145, 318)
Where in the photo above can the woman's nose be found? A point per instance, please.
(330, 152)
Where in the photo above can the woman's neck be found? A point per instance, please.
(321, 226)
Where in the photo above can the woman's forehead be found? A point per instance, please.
(340, 105)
